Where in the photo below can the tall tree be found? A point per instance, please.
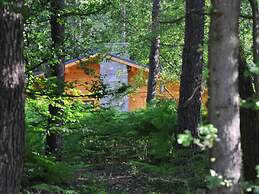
(255, 14)
(223, 92)
(12, 127)
(247, 121)
(54, 137)
(124, 23)
(192, 63)
(154, 51)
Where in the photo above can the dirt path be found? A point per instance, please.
(121, 178)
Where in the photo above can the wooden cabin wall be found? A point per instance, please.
(84, 81)
(137, 99)
(169, 90)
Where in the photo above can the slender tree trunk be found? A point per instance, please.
(124, 28)
(191, 77)
(247, 122)
(154, 52)
(223, 92)
(255, 11)
(124, 23)
(12, 127)
(58, 35)
(54, 138)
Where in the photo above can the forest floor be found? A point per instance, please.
(119, 178)
(129, 177)
(104, 153)
(139, 177)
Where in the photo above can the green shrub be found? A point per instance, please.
(147, 133)
(43, 168)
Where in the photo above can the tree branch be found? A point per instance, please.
(173, 21)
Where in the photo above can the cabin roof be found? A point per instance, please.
(74, 60)
(125, 61)
(109, 56)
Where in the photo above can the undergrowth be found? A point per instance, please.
(105, 142)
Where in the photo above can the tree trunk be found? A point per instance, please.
(191, 77)
(54, 138)
(247, 122)
(154, 52)
(255, 11)
(124, 22)
(223, 92)
(12, 127)
(58, 35)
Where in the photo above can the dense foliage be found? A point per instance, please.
(105, 140)
(108, 151)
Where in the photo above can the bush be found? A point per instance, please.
(147, 133)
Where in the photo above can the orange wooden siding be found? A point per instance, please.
(137, 78)
(83, 80)
(137, 99)
(167, 90)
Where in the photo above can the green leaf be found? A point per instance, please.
(185, 139)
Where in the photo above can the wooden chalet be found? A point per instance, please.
(86, 71)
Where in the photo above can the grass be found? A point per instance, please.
(106, 151)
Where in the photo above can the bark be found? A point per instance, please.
(154, 52)
(12, 127)
(223, 92)
(191, 77)
(247, 122)
(255, 12)
(57, 35)
(54, 137)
